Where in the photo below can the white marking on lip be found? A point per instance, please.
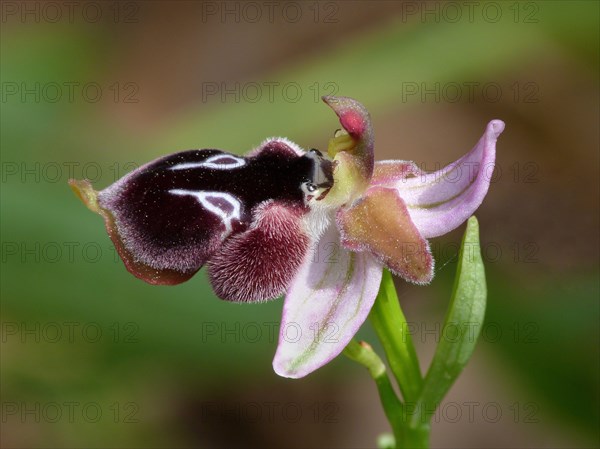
(228, 162)
(204, 196)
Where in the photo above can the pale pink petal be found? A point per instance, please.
(441, 201)
(328, 301)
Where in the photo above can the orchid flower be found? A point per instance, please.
(281, 220)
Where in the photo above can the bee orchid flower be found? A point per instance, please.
(281, 220)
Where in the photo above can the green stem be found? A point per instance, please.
(397, 414)
(393, 331)
(394, 409)
(414, 437)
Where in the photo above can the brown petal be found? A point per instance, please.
(379, 223)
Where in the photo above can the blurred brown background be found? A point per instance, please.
(93, 357)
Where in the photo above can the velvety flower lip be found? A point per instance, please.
(243, 216)
(330, 298)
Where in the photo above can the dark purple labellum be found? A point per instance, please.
(171, 216)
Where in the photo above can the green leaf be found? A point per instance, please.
(462, 325)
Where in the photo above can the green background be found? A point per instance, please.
(175, 366)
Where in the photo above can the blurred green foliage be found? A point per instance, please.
(169, 349)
